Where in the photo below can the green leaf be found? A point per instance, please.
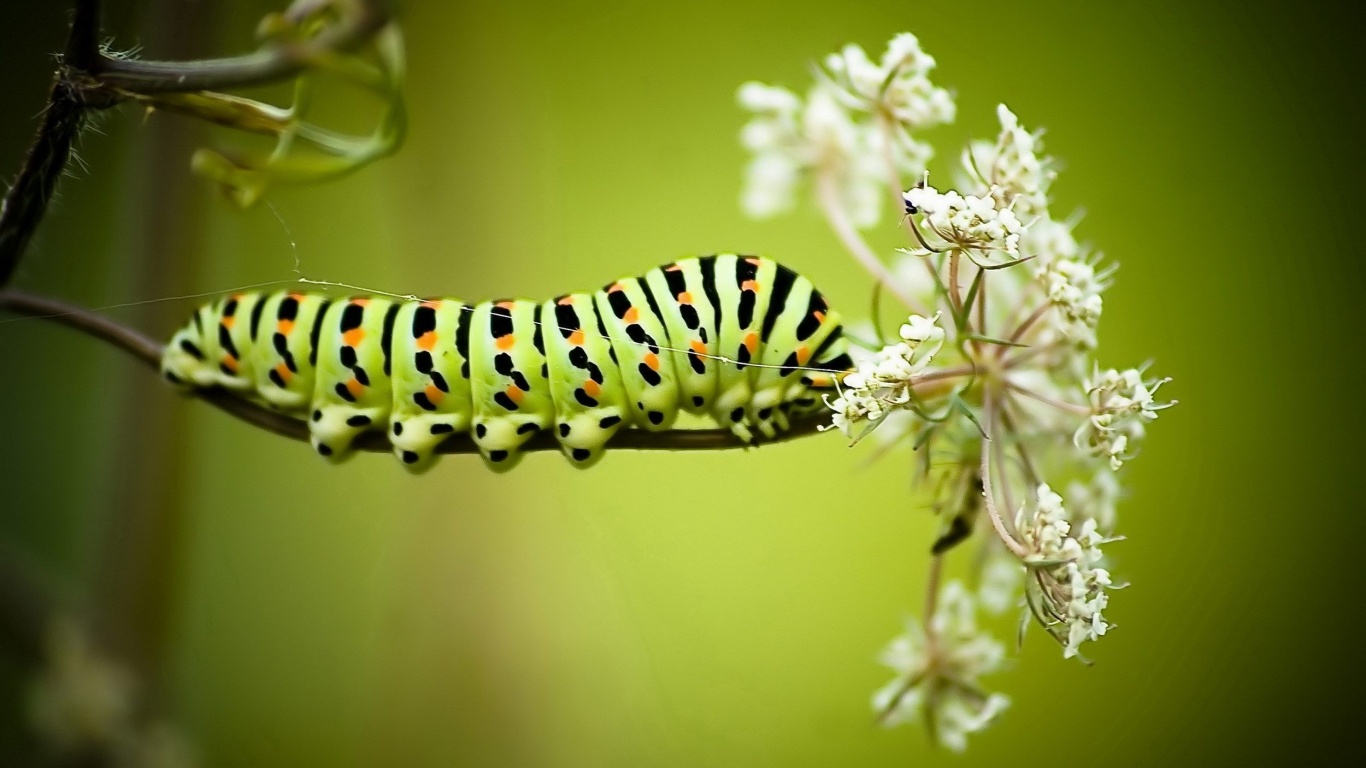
(991, 340)
(960, 319)
(956, 403)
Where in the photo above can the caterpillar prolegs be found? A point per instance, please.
(744, 340)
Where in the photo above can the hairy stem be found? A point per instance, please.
(991, 424)
(26, 202)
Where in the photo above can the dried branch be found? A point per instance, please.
(26, 202)
(148, 352)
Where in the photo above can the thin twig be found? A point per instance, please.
(149, 351)
(257, 68)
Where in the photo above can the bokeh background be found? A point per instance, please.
(701, 609)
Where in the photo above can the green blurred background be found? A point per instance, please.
(288, 613)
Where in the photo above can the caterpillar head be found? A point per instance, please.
(185, 361)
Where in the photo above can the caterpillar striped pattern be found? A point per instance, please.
(741, 339)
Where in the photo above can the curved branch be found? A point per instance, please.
(148, 351)
(256, 68)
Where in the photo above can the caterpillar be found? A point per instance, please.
(741, 339)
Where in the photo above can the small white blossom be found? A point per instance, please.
(1121, 404)
(844, 152)
(942, 674)
(853, 131)
(1013, 169)
(1048, 240)
(967, 222)
(882, 382)
(1073, 286)
(791, 139)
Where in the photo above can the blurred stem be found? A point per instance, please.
(1024, 326)
(828, 195)
(895, 185)
(932, 600)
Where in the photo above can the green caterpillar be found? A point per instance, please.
(742, 339)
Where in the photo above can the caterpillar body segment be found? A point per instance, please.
(587, 386)
(634, 322)
(431, 378)
(283, 361)
(352, 394)
(732, 337)
(691, 327)
(510, 380)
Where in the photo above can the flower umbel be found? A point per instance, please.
(992, 380)
(858, 118)
(1121, 403)
(886, 381)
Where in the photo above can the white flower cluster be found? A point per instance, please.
(1073, 286)
(1014, 168)
(774, 136)
(882, 382)
(899, 84)
(1070, 595)
(939, 672)
(852, 132)
(1121, 404)
(967, 223)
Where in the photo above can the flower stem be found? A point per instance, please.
(990, 422)
(932, 599)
